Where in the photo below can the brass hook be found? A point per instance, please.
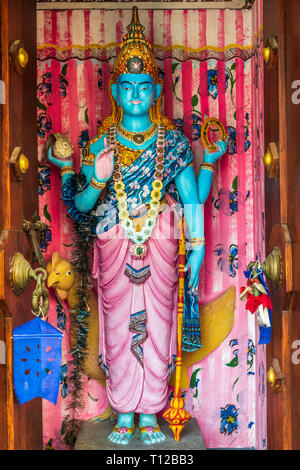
(20, 275)
(32, 228)
(271, 267)
(40, 293)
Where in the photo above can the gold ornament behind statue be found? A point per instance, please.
(207, 124)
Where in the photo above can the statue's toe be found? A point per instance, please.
(121, 435)
(151, 434)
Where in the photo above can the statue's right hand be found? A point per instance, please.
(104, 163)
(59, 162)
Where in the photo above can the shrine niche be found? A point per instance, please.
(204, 74)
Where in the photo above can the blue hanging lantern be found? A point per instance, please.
(37, 361)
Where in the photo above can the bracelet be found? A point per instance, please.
(89, 159)
(198, 241)
(207, 166)
(67, 170)
(97, 184)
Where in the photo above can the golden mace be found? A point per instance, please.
(177, 415)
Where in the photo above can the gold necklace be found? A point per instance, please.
(141, 236)
(137, 137)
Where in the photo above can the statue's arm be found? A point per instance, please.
(96, 176)
(86, 199)
(193, 213)
(193, 210)
(205, 176)
(204, 184)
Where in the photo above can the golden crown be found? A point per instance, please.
(135, 55)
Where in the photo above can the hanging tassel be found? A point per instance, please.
(177, 415)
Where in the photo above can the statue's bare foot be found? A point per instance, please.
(150, 430)
(124, 430)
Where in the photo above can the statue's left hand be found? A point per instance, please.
(212, 157)
(58, 162)
(194, 263)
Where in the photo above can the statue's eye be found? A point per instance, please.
(68, 273)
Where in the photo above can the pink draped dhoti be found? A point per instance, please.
(132, 384)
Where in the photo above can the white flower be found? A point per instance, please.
(134, 168)
(132, 201)
(147, 154)
(146, 171)
(134, 184)
(127, 224)
(146, 190)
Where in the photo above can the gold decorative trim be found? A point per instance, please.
(89, 159)
(155, 46)
(128, 155)
(78, 46)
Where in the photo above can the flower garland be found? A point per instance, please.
(139, 237)
(83, 237)
(84, 233)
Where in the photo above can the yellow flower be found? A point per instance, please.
(121, 195)
(156, 194)
(155, 204)
(157, 185)
(122, 204)
(152, 213)
(119, 186)
(123, 214)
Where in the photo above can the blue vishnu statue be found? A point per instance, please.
(131, 163)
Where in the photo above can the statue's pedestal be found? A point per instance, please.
(94, 436)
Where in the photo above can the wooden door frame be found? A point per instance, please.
(21, 424)
(283, 298)
(7, 379)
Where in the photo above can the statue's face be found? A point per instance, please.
(135, 93)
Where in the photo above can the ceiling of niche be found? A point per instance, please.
(152, 4)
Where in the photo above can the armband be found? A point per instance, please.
(67, 170)
(207, 166)
(199, 241)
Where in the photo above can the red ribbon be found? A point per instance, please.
(253, 302)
